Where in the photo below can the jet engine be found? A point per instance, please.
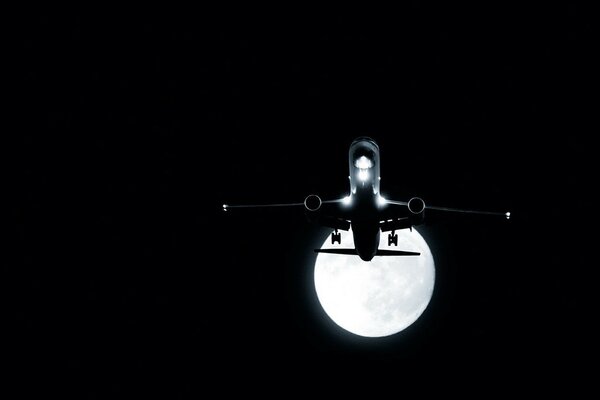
(416, 206)
(312, 202)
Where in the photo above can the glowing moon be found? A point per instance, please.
(380, 297)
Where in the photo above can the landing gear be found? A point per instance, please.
(393, 239)
(336, 237)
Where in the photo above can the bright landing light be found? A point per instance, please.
(381, 201)
(363, 175)
(347, 200)
(363, 163)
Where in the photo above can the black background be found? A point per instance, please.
(137, 127)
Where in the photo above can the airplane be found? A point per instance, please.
(364, 209)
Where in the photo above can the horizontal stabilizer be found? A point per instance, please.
(396, 253)
(349, 252)
(352, 252)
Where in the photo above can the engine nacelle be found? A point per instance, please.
(312, 202)
(416, 206)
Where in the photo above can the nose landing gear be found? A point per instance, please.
(393, 239)
(336, 237)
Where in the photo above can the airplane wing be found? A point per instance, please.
(417, 205)
(227, 207)
(310, 204)
(324, 212)
(412, 212)
(457, 210)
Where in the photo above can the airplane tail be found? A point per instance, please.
(352, 252)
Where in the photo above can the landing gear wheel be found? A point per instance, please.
(392, 239)
(336, 237)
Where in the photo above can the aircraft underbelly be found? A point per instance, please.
(366, 238)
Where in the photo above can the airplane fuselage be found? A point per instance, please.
(365, 200)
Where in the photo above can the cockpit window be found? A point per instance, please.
(363, 163)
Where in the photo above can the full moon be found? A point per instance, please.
(377, 298)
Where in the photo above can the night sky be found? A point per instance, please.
(137, 128)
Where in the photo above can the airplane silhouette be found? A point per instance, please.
(364, 209)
